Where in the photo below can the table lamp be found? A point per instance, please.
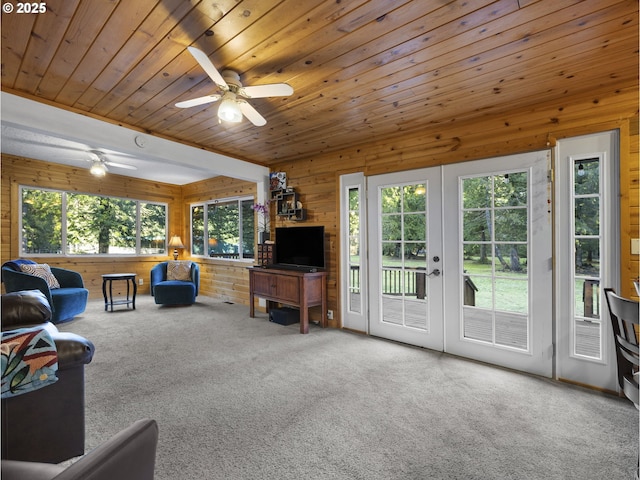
(175, 242)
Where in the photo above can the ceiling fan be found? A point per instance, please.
(232, 93)
(99, 163)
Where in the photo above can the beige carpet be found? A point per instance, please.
(242, 398)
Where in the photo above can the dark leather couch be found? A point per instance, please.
(45, 425)
(128, 455)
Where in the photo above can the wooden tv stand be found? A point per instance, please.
(291, 287)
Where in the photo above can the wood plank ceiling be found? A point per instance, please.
(361, 70)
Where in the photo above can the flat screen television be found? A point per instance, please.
(300, 247)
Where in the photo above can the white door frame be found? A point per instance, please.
(570, 366)
(351, 317)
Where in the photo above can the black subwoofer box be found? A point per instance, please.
(284, 315)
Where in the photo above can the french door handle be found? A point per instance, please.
(435, 273)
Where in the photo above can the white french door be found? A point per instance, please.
(499, 293)
(405, 251)
(498, 290)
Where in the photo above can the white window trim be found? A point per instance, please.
(205, 205)
(63, 226)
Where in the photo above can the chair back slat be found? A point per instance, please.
(625, 315)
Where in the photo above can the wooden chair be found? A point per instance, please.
(624, 315)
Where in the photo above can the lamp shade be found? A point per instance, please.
(175, 242)
(98, 169)
(229, 111)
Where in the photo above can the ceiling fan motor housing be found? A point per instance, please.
(233, 80)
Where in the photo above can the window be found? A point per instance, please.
(41, 221)
(587, 241)
(55, 222)
(223, 229)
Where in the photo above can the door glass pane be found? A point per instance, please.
(587, 338)
(355, 275)
(587, 257)
(586, 173)
(478, 291)
(404, 255)
(415, 255)
(415, 228)
(512, 260)
(587, 298)
(477, 225)
(511, 225)
(391, 227)
(391, 254)
(587, 219)
(512, 330)
(511, 189)
(478, 324)
(414, 198)
(512, 295)
(495, 280)
(391, 199)
(477, 192)
(586, 325)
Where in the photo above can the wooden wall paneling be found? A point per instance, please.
(630, 207)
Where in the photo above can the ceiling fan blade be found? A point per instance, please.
(121, 165)
(207, 66)
(198, 101)
(270, 90)
(251, 113)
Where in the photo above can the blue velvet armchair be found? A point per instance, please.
(168, 287)
(66, 302)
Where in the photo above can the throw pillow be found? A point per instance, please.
(179, 270)
(42, 270)
(29, 361)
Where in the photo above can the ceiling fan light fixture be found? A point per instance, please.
(229, 110)
(98, 169)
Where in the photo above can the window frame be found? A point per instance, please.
(205, 235)
(64, 226)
